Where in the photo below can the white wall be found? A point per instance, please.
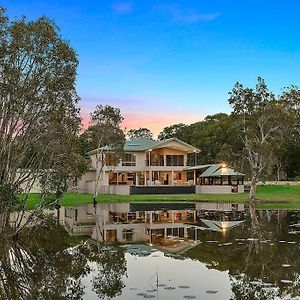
(213, 189)
(241, 189)
(115, 189)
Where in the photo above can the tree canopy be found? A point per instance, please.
(39, 117)
(135, 134)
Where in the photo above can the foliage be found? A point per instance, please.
(266, 123)
(254, 256)
(173, 131)
(38, 114)
(104, 136)
(45, 265)
(140, 133)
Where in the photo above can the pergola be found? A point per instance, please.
(216, 174)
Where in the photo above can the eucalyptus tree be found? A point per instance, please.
(265, 121)
(105, 137)
(37, 104)
(135, 134)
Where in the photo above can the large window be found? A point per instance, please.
(154, 160)
(129, 159)
(175, 160)
(128, 235)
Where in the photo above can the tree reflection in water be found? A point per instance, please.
(46, 265)
(259, 257)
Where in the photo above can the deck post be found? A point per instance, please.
(137, 179)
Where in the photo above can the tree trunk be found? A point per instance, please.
(252, 194)
(281, 170)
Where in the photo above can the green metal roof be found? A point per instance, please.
(215, 170)
(198, 167)
(227, 172)
(211, 170)
(147, 144)
(139, 145)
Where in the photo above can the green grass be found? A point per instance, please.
(272, 197)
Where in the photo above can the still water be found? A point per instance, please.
(161, 251)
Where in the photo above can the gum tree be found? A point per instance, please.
(104, 136)
(37, 104)
(265, 122)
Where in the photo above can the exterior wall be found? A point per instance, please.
(140, 190)
(139, 234)
(115, 189)
(84, 183)
(241, 189)
(213, 189)
(219, 206)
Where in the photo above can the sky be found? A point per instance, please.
(168, 62)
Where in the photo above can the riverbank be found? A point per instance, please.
(276, 197)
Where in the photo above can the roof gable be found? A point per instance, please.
(143, 144)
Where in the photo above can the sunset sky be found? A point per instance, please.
(166, 62)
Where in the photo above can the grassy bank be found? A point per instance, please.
(281, 197)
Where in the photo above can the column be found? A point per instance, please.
(172, 179)
(195, 179)
(137, 179)
(185, 234)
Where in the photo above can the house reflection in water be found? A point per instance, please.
(159, 224)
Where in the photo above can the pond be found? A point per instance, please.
(155, 251)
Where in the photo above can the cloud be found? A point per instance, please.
(122, 8)
(185, 16)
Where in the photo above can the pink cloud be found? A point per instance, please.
(155, 121)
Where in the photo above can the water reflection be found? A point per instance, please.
(168, 225)
(255, 257)
(46, 265)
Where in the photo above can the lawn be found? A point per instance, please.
(276, 197)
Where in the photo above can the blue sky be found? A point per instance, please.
(165, 62)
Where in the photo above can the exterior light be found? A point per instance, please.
(223, 165)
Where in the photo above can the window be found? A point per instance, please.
(128, 235)
(129, 159)
(175, 160)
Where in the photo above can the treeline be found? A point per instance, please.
(261, 137)
(218, 138)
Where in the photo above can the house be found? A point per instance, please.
(158, 167)
(157, 223)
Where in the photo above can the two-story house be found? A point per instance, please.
(145, 163)
(160, 164)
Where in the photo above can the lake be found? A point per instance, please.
(155, 251)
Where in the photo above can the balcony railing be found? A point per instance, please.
(128, 163)
(155, 163)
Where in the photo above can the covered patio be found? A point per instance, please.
(216, 178)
